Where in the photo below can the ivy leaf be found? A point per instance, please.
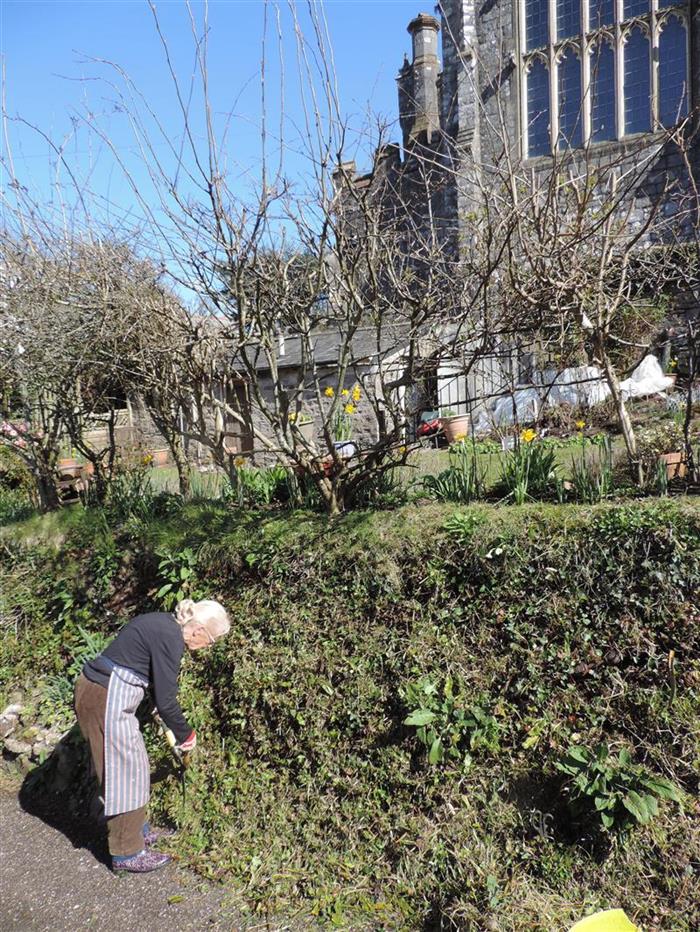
(419, 717)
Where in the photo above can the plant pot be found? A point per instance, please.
(675, 464)
(69, 466)
(345, 448)
(455, 427)
(160, 457)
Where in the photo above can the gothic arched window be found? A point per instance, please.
(636, 55)
(599, 70)
(538, 108)
(673, 72)
(602, 92)
(570, 98)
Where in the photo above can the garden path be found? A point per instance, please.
(54, 879)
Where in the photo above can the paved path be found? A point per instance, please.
(54, 879)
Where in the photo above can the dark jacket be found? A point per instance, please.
(152, 646)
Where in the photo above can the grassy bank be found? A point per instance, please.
(385, 734)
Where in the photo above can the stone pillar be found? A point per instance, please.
(419, 108)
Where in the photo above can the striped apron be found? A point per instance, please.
(127, 776)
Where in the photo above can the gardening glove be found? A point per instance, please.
(189, 744)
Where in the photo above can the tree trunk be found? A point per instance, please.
(181, 463)
(49, 498)
(687, 421)
(622, 414)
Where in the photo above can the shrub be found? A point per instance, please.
(178, 571)
(14, 472)
(15, 505)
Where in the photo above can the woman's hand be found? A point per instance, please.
(189, 744)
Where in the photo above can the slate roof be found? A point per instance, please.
(365, 348)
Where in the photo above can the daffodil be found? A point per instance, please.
(345, 393)
(350, 409)
(329, 392)
(292, 417)
(528, 435)
(580, 425)
(239, 461)
(356, 394)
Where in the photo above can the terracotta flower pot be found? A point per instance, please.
(160, 457)
(69, 466)
(455, 427)
(675, 464)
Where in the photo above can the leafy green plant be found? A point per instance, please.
(179, 572)
(529, 470)
(462, 481)
(620, 793)
(57, 695)
(251, 486)
(15, 505)
(130, 494)
(660, 478)
(445, 724)
(461, 526)
(592, 475)
(379, 490)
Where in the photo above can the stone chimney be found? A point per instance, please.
(419, 110)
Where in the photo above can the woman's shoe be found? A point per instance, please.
(141, 863)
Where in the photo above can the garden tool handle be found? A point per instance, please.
(183, 759)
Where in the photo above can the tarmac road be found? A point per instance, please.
(54, 879)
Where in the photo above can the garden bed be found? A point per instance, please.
(523, 631)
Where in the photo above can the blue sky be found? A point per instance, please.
(50, 77)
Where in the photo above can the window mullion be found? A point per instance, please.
(585, 75)
(522, 90)
(553, 79)
(654, 54)
(619, 73)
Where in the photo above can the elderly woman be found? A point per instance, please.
(146, 652)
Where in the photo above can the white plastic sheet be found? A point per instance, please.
(579, 385)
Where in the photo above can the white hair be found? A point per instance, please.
(208, 613)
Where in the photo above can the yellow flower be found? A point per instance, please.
(292, 417)
(580, 425)
(345, 393)
(528, 435)
(329, 392)
(350, 409)
(147, 459)
(403, 450)
(239, 461)
(356, 393)
(460, 438)
(673, 363)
